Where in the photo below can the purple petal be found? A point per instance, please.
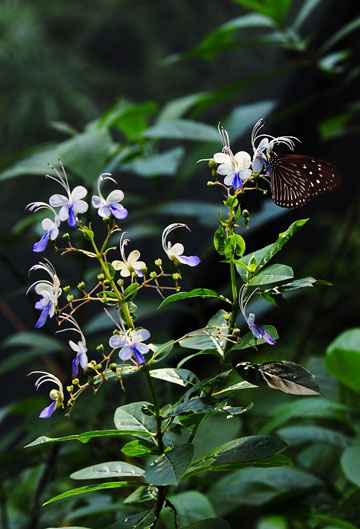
(138, 356)
(75, 367)
(119, 212)
(42, 244)
(268, 339)
(72, 220)
(48, 411)
(237, 182)
(192, 260)
(43, 317)
(257, 331)
(139, 273)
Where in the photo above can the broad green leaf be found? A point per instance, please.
(141, 495)
(350, 463)
(82, 437)
(196, 405)
(133, 521)
(92, 488)
(239, 451)
(190, 506)
(283, 375)
(274, 273)
(138, 448)
(133, 120)
(220, 240)
(300, 283)
(182, 129)
(210, 337)
(34, 162)
(170, 467)
(335, 523)
(248, 340)
(342, 358)
(264, 255)
(234, 246)
(196, 293)
(130, 418)
(209, 523)
(213, 431)
(161, 351)
(166, 163)
(178, 107)
(272, 522)
(182, 377)
(309, 433)
(86, 154)
(277, 11)
(111, 469)
(310, 408)
(235, 387)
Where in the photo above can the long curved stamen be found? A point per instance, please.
(76, 327)
(60, 179)
(120, 326)
(254, 135)
(102, 177)
(44, 281)
(286, 140)
(242, 303)
(168, 230)
(36, 206)
(46, 377)
(123, 243)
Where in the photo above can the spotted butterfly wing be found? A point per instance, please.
(296, 179)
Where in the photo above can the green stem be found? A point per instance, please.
(159, 434)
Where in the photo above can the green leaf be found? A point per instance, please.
(178, 107)
(234, 246)
(133, 119)
(82, 437)
(190, 506)
(138, 448)
(264, 255)
(284, 375)
(298, 283)
(182, 377)
(310, 408)
(111, 469)
(343, 32)
(308, 433)
(166, 163)
(196, 405)
(161, 351)
(274, 273)
(211, 352)
(196, 293)
(238, 452)
(133, 521)
(131, 419)
(35, 163)
(335, 523)
(86, 154)
(350, 463)
(182, 129)
(141, 495)
(209, 523)
(129, 292)
(277, 11)
(210, 337)
(220, 240)
(92, 488)
(307, 7)
(170, 467)
(342, 358)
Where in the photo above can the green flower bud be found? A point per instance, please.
(66, 289)
(65, 236)
(214, 173)
(212, 164)
(176, 276)
(226, 316)
(100, 348)
(70, 388)
(158, 262)
(100, 277)
(120, 282)
(113, 367)
(75, 381)
(106, 220)
(69, 298)
(153, 275)
(99, 367)
(81, 286)
(210, 183)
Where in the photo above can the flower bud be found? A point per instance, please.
(65, 236)
(100, 348)
(66, 289)
(214, 173)
(176, 276)
(89, 369)
(120, 282)
(106, 220)
(210, 183)
(113, 367)
(246, 216)
(153, 275)
(212, 164)
(70, 388)
(236, 330)
(100, 277)
(226, 316)
(158, 262)
(75, 381)
(81, 286)
(69, 298)
(99, 367)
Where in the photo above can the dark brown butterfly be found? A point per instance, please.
(296, 179)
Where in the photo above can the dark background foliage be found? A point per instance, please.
(65, 64)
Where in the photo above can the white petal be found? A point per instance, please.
(125, 272)
(117, 341)
(221, 157)
(58, 200)
(177, 249)
(263, 145)
(47, 224)
(118, 265)
(225, 169)
(78, 192)
(133, 257)
(140, 335)
(74, 346)
(64, 213)
(115, 196)
(245, 173)
(104, 211)
(96, 201)
(257, 165)
(54, 233)
(80, 206)
(126, 352)
(243, 159)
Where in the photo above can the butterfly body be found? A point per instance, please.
(296, 179)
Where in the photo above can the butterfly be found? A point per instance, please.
(296, 178)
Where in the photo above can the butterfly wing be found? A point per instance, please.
(296, 179)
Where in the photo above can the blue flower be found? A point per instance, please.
(175, 253)
(56, 395)
(130, 344)
(51, 227)
(79, 347)
(257, 331)
(110, 205)
(72, 203)
(49, 291)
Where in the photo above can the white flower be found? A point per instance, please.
(131, 264)
(57, 395)
(130, 344)
(49, 291)
(70, 204)
(80, 348)
(51, 227)
(175, 253)
(110, 205)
